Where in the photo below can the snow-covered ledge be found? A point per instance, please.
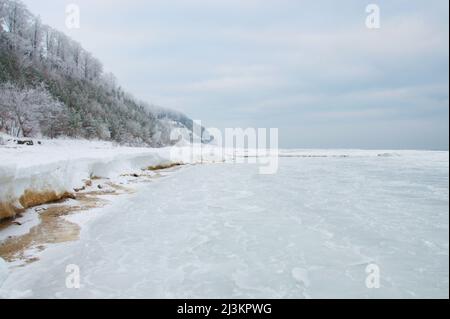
(32, 175)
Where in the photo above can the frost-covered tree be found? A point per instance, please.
(23, 109)
(3, 11)
(36, 38)
(50, 85)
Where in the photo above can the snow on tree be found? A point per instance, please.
(50, 85)
(25, 112)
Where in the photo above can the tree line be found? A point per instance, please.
(50, 86)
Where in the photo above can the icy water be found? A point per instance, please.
(223, 230)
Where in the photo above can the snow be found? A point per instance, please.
(301, 275)
(225, 231)
(62, 165)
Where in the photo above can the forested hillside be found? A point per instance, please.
(50, 86)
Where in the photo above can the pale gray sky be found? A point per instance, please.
(310, 68)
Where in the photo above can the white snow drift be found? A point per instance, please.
(60, 166)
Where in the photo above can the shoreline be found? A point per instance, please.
(51, 223)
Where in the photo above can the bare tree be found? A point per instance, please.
(36, 38)
(22, 109)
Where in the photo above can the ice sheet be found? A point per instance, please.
(224, 231)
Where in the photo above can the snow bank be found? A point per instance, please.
(31, 175)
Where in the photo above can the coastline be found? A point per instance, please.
(54, 222)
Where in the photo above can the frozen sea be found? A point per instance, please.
(225, 231)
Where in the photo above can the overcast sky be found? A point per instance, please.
(310, 68)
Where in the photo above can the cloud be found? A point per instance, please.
(230, 84)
